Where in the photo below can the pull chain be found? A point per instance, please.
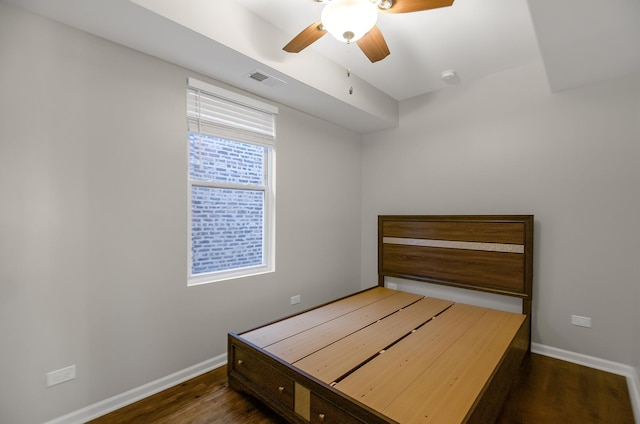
(348, 68)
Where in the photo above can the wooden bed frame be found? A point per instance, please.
(467, 383)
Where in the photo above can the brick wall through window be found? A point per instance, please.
(227, 224)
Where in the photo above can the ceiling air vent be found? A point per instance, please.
(258, 76)
(266, 79)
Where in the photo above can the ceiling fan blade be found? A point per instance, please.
(306, 37)
(406, 6)
(373, 45)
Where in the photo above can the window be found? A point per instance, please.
(231, 184)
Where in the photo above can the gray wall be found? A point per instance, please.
(93, 215)
(506, 145)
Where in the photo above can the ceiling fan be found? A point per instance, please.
(355, 20)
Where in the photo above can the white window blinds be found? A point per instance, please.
(215, 111)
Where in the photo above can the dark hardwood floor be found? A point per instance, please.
(549, 392)
(554, 391)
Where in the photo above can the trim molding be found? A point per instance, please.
(632, 374)
(103, 407)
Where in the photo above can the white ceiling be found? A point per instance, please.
(579, 41)
(473, 37)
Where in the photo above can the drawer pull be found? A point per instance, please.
(239, 361)
(281, 389)
(321, 417)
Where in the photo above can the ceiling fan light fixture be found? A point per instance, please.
(349, 20)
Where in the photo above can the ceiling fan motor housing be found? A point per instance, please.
(349, 20)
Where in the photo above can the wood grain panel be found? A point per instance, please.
(302, 401)
(337, 359)
(488, 404)
(280, 330)
(489, 232)
(459, 376)
(485, 269)
(296, 347)
(382, 380)
(466, 268)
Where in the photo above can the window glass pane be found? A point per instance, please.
(227, 229)
(217, 159)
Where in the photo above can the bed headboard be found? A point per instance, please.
(490, 253)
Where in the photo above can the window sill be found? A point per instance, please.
(214, 277)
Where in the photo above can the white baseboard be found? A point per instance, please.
(633, 379)
(123, 399)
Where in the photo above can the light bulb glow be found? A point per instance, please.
(349, 20)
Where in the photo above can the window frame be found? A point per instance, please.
(269, 168)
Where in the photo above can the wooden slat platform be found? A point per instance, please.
(304, 343)
(272, 333)
(457, 377)
(337, 359)
(409, 358)
(378, 385)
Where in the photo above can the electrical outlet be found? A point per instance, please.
(581, 321)
(295, 299)
(392, 286)
(61, 375)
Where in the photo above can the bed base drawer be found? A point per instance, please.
(267, 379)
(325, 412)
(303, 400)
